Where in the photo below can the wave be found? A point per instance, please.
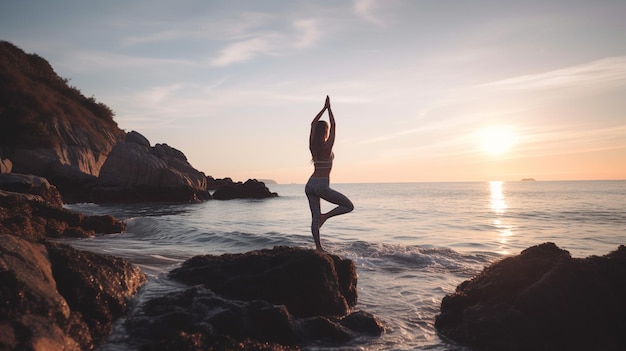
(398, 258)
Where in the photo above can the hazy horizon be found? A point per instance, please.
(422, 91)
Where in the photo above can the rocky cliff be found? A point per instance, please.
(47, 125)
(49, 129)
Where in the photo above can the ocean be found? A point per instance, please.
(412, 243)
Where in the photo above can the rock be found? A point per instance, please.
(279, 299)
(196, 318)
(74, 185)
(542, 299)
(30, 184)
(96, 286)
(251, 189)
(136, 172)
(29, 216)
(214, 184)
(53, 297)
(5, 166)
(364, 323)
(135, 137)
(307, 282)
(28, 286)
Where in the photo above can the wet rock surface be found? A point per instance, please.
(308, 282)
(31, 208)
(53, 297)
(30, 184)
(277, 298)
(542, 299)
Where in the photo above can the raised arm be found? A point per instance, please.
(321, 113)
(331, 133)
(316, 119)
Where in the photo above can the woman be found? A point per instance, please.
(321, 142)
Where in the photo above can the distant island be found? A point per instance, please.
(528, 179)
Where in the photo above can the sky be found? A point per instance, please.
(422, 90)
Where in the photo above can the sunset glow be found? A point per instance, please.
(496, 140)
(422, 91)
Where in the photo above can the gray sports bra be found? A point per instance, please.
(322, 164)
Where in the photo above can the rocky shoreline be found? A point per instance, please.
(55, 297)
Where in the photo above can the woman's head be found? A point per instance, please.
(321, 131)
(320, 134)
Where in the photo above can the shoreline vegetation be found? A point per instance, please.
(57, 146)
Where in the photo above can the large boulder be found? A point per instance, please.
(196, 318)
(251, 189)
(307, 282)
(542, 299)
(53, 297)
(137, 172)
(278, 299)
(97, 287)
(29, 299)
(30, 184)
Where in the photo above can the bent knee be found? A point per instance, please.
(350, 206)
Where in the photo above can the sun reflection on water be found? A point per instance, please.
(498, 206)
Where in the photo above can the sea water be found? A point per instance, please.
(412, 243)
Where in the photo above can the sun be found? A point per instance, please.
(496, 140)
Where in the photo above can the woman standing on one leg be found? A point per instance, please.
(321, 143)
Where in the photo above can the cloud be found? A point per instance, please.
(309, 33)
(237, 37)
(162, 36)
(236, 27)
(535, 142)
(271, 42)
(604, 72)
(243, 51)
(366, 9)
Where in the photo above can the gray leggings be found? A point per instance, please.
(319, 188)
